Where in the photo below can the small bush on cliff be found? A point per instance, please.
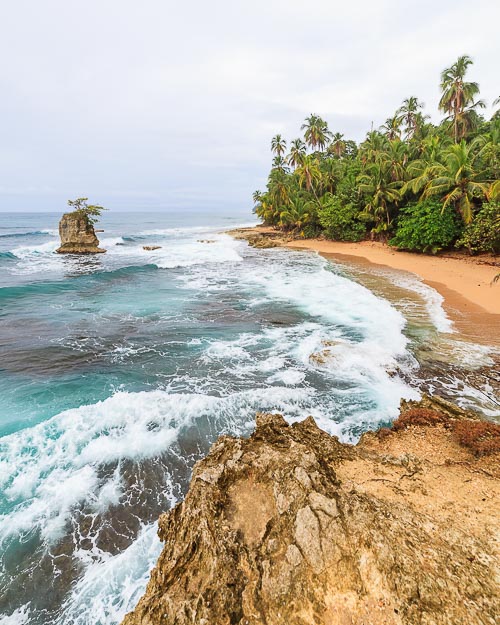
(418, 416)
(481, 437)
(90, 212)
(426, 227)
(483, 234)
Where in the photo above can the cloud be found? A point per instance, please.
(158, 103)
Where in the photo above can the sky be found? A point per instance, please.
(160, 105)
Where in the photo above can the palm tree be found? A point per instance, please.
(381, 194)
(298, 214)
(278, 186)
(309, 173)
(392, 127)
(257, 197)
(338, 145)
(396, 156)
(316, 132)
(371, 148)
(494, 191)
(411, 115)
(420, 171)
(278, 145)
(279, 162)
(297, 153)
(458, 179)
(457, 99)
(329, 168)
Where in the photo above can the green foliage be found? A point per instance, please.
(483, 234)
(90, 212)
(340, 221)
(410, 179)
(426, 227)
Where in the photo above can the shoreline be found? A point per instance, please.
(471, 301)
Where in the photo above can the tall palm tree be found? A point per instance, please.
(329, 168)
(278, 186)
(316, 132)
(257, 197)
(457, 98)
(411, 115)
(309, 173)
(338, 145)
(421, 171)
(458, 180)
(381, 194)
(297, 153)
(392, 127)
(372, 147)
(278, 145)
(396, 156)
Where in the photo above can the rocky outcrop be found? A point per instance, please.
(261, 236)
(77, 235)
(292, 527)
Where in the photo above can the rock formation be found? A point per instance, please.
(291, 527)
(261, 236)
(77, 235)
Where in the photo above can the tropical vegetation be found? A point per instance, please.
(418, 185)
(89, 212)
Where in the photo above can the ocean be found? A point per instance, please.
(118, 371)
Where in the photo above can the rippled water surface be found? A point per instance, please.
(118, 371)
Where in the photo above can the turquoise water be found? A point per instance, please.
(118, 371)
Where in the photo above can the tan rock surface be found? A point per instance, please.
(292, 527)
(77, 236)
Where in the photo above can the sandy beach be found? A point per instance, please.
(471, 299)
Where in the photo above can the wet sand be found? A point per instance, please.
(465, 283)
(471, 299)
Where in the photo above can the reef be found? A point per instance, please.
(77, 235)
(290, 526)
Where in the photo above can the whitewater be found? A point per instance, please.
(118, 372)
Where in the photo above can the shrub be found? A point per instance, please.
(483, 233)
(481, 437)
(419, 416)
(340, 221)
(425, 227)
(89, 212)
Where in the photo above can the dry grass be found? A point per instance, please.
(482, 438)
(419, 416)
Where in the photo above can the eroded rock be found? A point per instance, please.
(291, 527)
(77, 235)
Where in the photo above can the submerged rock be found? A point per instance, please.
(291, 527)
(151, 248)
(77, 235)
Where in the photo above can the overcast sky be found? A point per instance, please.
(154, 104)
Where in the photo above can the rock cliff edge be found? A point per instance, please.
(292, 527)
